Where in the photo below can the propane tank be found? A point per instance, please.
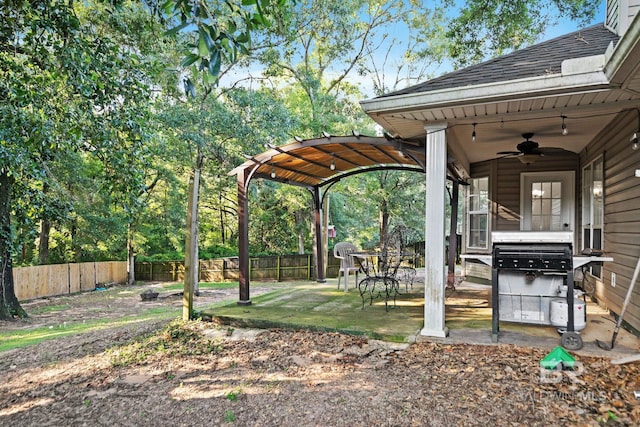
(559, 313)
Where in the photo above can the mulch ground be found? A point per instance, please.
(200, 373)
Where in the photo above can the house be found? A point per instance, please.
(546, 137)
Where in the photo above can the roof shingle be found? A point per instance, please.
(537, 60)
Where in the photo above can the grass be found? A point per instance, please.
(323, 307)
(178, 287)
(21, 338)
(295, 305)
(10, 339)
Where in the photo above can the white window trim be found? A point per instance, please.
(469, 212)
(568, 192)
(600, 159)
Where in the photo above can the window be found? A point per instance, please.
(546, 198)
(478, 216)
(547, 201)
(593, 208)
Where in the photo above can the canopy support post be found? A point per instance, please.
(243, 237)
(318, 251)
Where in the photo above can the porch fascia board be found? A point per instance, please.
(491, 92)
(624, 62)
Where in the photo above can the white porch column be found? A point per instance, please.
(435, 275)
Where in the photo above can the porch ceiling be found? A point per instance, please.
(500, 124)
(588, 87)
(308, 162)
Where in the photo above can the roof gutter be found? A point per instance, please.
(490, 92)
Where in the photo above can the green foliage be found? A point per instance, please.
(229, 416)
(224, 32)
(487, 28)
(98, 135)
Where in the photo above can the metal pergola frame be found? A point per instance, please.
(317, 164)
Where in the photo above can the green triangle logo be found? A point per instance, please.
(556, 357)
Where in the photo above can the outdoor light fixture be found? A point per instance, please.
(634, 137)
(473, 134)
(273, 172)
(527, 159)
(333, 165)
(564, 126)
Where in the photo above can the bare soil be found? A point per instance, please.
(199, 373)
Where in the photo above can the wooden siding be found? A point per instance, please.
(504, 191)
(621, 213)
(620, 13)
(504, 177)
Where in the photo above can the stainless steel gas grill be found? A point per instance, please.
(529, 270)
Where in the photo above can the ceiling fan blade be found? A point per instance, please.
(509, 153)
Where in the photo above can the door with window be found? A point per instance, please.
(547, 201)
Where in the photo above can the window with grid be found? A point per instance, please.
(546, 206)
(478, 213)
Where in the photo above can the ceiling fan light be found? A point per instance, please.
(528, 159)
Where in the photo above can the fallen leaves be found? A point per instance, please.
(292, 378)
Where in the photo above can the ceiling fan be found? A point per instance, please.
(529, 151)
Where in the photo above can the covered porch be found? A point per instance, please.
(317, 164)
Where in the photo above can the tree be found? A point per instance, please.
(68, 86)
(487, 28)
(64, 89)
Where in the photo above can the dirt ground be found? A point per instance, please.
(198, 373)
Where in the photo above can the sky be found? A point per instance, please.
(366, 84)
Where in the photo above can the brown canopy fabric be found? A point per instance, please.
(318, 162)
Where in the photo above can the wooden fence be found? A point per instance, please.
(60, 279)
(280, 268)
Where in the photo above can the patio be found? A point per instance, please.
(324, 307)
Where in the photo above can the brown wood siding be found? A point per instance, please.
(621, 213)
(504, 189)
(508, 184)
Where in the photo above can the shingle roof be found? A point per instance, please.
(538, 60)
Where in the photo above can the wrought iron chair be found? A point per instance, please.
(381, 280)
(343, 251)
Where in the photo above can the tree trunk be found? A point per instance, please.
(222, 227)
(384, 222)
(9, 304)
(191, 259)
(299, 221)
(45, 229)
(131, 258)
(43, 245)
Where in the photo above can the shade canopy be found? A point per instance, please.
(321, 161)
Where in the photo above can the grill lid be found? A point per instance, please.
(532, 237)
